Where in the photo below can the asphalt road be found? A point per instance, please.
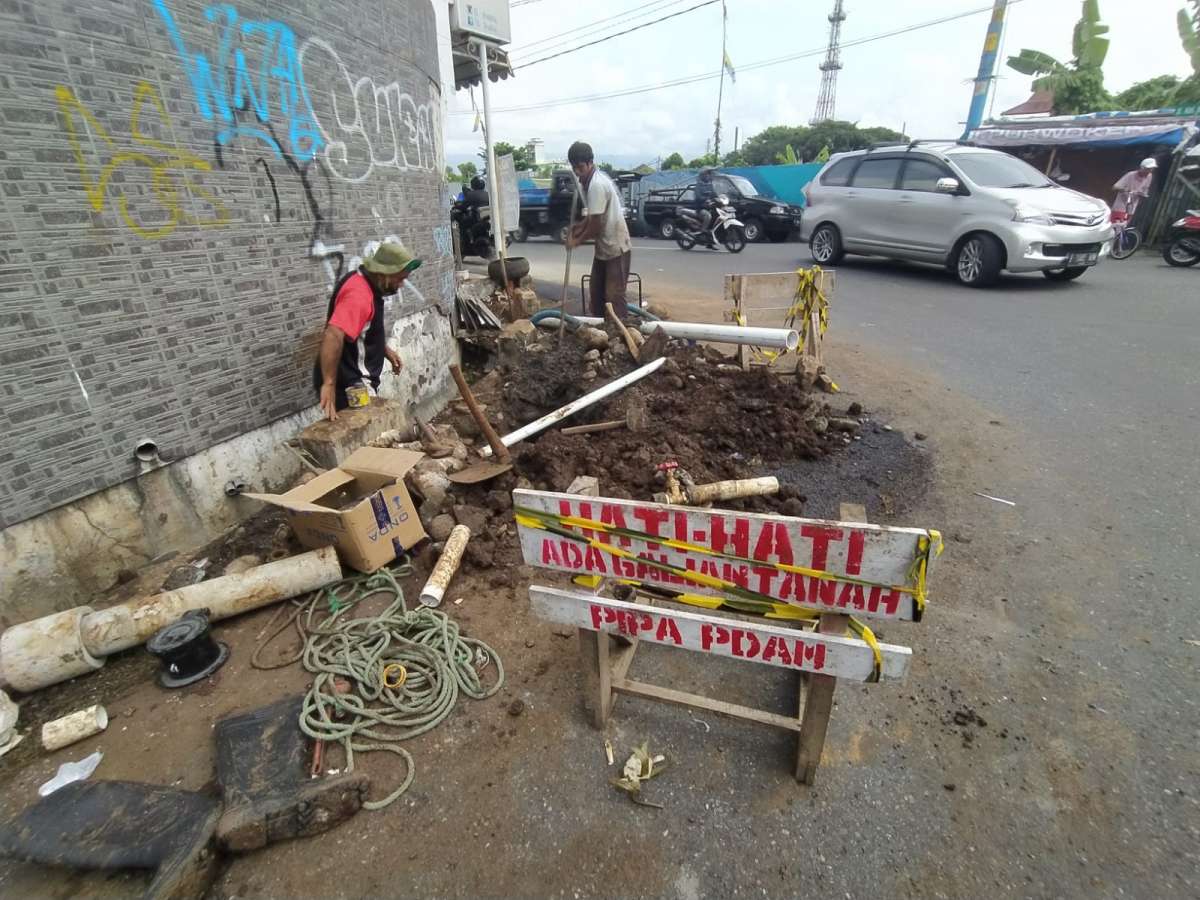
(1075, 614)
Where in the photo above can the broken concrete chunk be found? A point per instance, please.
(849, 426)
(594, 338)
(432, 485)
(473, 517)
(592, 355)
(441, 526)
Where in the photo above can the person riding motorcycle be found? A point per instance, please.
(705, 196)
(475, 232)
(477, 195)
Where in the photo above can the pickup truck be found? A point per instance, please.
(548, 210)
(763, 217)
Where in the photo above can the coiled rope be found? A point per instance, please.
(381, 708)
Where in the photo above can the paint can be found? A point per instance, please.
(357, 396)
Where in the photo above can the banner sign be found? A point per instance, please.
(804, 651)
(844, 567)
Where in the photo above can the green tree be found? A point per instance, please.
(771, 145)
(787, 157)
(607, 169)
(1153, 93)
(520, 155)
(709, 159)
(1189, 34)
(451, 175)
(468, 171)
(764, 148)
(674, 161)
(823, 156)
(734, 158)
(1078, 85)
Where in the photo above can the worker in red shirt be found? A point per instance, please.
(354, 346)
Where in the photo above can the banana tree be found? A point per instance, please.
(1189, 33)
(1077, 85)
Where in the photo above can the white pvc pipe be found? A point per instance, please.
(46, 651)
(78, 725)
(54, 648)
(129, 624)
(733, 490)
(576, 405)
(778, 338)
(447, 565)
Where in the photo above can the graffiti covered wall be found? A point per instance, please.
(181, 183)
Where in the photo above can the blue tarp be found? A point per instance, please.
(784, 183)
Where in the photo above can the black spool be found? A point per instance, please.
(187, 650)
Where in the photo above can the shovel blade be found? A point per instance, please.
(479, 472)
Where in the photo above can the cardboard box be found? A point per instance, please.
(362, 507)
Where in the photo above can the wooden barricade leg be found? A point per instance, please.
(602, 657)
(816, 691)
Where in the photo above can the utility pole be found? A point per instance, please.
(721, 86)
(987, 67)
(490, 151)
(826, 99)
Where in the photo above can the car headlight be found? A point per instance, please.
(778, 211)
(1029, 214)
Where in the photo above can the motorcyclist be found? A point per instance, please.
(704, 197)
(476, 194)
(474, 230)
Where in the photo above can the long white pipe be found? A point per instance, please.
(63, 645)
(779, 338)
(576, 405)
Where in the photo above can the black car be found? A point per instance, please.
(763, 217)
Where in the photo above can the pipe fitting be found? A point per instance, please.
(48, 650)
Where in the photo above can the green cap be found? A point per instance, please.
(391, 258)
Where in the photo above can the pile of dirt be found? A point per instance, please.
(701, 411)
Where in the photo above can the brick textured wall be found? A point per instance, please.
(180, 184)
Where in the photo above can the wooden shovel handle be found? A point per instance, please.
(485, 426)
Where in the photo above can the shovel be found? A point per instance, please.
(430, 442)
(481, 471)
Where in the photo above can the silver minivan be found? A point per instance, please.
(976, 211)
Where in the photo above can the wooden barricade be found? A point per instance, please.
(814, 577)
(765, 300)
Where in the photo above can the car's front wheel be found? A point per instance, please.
(979, 261)
(666, 228)
(1067, 273)
(753, 229)
(825, 245)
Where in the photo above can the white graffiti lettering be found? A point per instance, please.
(365, 126)
(442, 240)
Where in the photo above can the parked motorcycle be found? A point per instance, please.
(722, 227)
(1182, 244)
(471, 216)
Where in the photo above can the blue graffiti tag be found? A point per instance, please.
(278, 67)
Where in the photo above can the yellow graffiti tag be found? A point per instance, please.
(163, 173)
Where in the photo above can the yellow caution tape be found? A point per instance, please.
(786, 612)
(807, 299)
(532, 518)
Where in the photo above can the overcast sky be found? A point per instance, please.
(918, 80)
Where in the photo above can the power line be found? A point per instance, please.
(615, 35)
(762, 64)
(593, 27)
